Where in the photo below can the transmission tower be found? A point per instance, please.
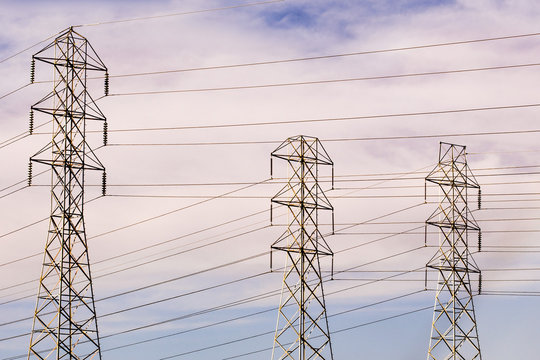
(454, 333)
(65, 321)
(302, 326)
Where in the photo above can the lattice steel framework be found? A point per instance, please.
(302, 326)
(65, 321)
(454, 333)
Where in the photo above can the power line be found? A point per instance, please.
(258, 313)
(182, 236)
(219, 67)
(442, 72)
(260, 142)
(243, 317)
(189, 13)
(132, 224)
(319, 82)
(224, 306)
(332, 119)
(236, 262)
(20, 136)
(375, 280)
(176, 210)
(28, 48)
(248, 300)
(267, 181)
(30, 225)
(193, 233)
(161, 258)
(179, 13)
(270, 332)
(258, 197)
(434, 233)
(321, 57)
(14, 91)
(145, 220)
(283, 60)
(338, 178)
(149, 219)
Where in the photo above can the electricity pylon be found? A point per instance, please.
(302, 326)
(65, 320)
(454, 333)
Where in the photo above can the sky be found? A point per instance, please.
(382, 134)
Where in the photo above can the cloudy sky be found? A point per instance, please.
(379, 116)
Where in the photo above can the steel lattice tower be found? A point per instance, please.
(454, 333)
(65, 320)
(302, 326)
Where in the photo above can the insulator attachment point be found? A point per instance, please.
(479, 199)
(30, 173)
(32, 70)
(31, 124)
(104, 184)
(480, 284)
(106, 84)
(105, 133)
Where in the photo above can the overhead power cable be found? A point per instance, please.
(189, 13)
(289, 60)
(140, 221)
(28, 48)
(276, 181)
(153, 17)
(164, 214)
(176, 210)
(20, 136)
(250, 299)
(258, 197)
(241, 318)
(220, 239)
(267, 181)
(234, 303)
(14, 91)
(182, 236)
(272, 62)
(320, 82)
(37, 254)
(236, 262)
(197, 232)
(333, 332)
(322, 57)
(271, 332)
(335, 119)
(220, 307)
(260, 142)
(331, 56)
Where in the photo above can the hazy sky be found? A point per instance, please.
(370, 187)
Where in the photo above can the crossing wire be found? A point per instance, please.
(242, 301)
(345, 270)
(149, 219)
(174, 279)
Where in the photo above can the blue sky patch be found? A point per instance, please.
(291, 17)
